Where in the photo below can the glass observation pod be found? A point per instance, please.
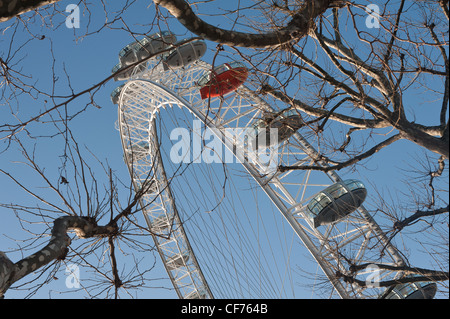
(154, 43)
(222, 80)
(125, 75)
(116, 93)
(127, 55)
(285, 123)
(413, 290)
(141, 49)
(185, 54)
(121, 76)
(177, 261)
(336, 202)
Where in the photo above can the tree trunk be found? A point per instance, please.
(11, 8)
(56, 249)
(435, 144)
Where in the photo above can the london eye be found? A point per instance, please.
(177, 115)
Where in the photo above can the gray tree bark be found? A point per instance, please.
(12, 8)
(56, 249)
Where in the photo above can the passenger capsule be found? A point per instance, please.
(154, 43)
(413, 290)
(185, 54)
(120, 76)
(222, 80)
(126, 74)
(285, 124)
(116, 93)
(336, 202)
(143, 48)
(127, 55)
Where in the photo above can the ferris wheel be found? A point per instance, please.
(185, 127)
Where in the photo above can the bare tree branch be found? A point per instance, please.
(389, 283)
(399, 225)
(406, 269)
(12, 8)
(295, 29)
(342, 165)
(56, 249)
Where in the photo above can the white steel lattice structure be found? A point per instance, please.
(140, 102)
